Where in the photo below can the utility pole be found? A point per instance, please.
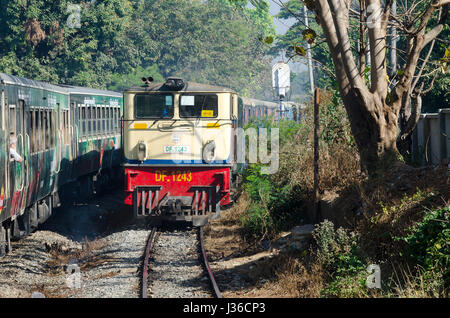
(393, 44)
(316, 157)
(308, 53)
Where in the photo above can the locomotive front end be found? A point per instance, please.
(178, 149)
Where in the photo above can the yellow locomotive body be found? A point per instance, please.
(179, 149)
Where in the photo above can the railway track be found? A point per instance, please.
(149, 249)
(215, 288)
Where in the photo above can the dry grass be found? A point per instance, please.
(223, 236)
(296, 280)
(376, 209)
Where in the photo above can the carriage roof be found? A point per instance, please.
(90, 91)
(20, 81)
(63, 89)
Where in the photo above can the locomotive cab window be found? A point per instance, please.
(153, 106)
(205, 106)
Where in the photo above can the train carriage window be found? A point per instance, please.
(94, 120)
(88, 121)
(42, 129)
(109, 113)
(99, 119)
(83, 121)
(37, 133)
(12, 118)
(108, 119)
(111, 119)
(53, 130)
(33, 131)
(66, 127)
(112, 112)
(115, 120)
(45, 129)
(153, 106)
(103, 119)
(205, 106)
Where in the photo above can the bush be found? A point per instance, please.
(337, 252)
(279, 200)
(336, 249)
(428, 245)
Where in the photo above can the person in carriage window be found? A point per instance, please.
(14, 156)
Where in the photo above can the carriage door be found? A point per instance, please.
(23, 143)
(74, 130)
(17, 168)
(3, 155)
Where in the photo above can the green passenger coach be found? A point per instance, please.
(54, 141)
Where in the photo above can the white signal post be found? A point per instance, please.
(281, 81)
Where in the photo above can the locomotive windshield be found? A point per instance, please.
(154, 106)
(204, 106)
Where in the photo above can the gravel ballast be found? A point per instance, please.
(176, 269)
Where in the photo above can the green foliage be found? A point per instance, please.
(428, 244)
(276, 202)
(337, 252)
(119, 82)
(346, 286)
(272, 206)
(439, 96)
(336, 248)
(120, 40)
(294, 42)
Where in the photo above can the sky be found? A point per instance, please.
(281, 26)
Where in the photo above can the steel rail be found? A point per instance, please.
(217, 292)
(150, 241)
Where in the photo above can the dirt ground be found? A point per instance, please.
(243, 269)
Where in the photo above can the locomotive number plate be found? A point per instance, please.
(177, 149)
(173, 176)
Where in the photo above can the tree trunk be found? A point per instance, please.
(373, 108)
(375, 128)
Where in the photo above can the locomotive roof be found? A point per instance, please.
(190, 87)
(90, 91)
(20, 81)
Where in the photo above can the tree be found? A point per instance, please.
(379, 107)
(113, 43)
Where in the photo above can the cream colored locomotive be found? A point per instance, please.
(180, 148)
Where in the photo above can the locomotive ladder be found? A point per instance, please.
(201, 200)
(146, 199)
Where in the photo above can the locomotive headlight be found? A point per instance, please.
(209, 152)
(142, 151)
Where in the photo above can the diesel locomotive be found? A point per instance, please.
(54, 141)
(181, 149)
